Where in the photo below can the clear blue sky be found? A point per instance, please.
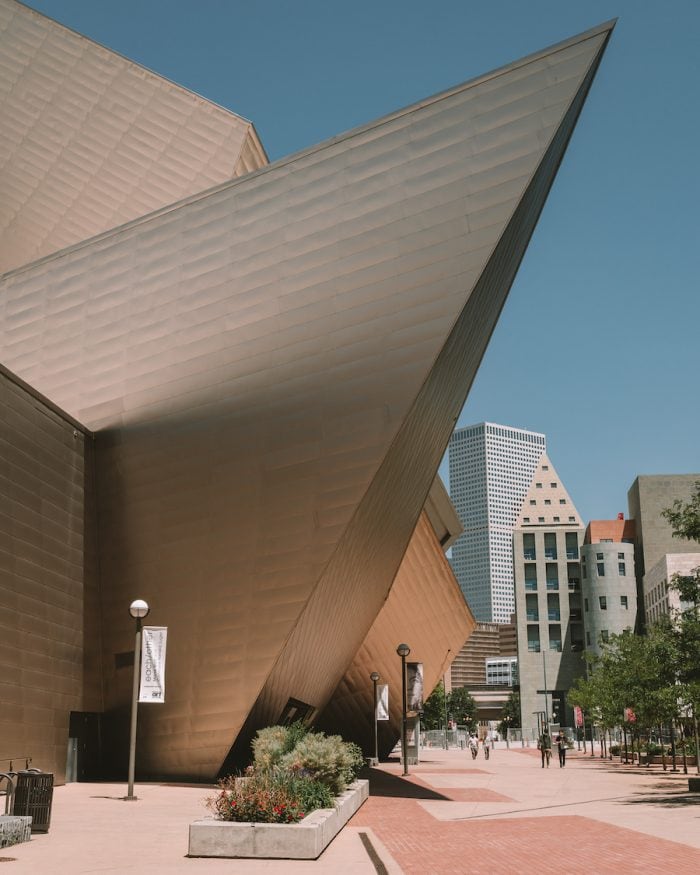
(598, 345)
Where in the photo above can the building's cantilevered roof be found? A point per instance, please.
(90, 140)
(274, 369)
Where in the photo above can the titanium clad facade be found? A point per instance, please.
(90, 140)
(425, 608)
(273, 370)
(43, 577)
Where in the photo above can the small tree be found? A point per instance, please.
(510, 714)
(462, 708)
(434, 709)
(684, 516)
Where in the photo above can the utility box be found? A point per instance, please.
(33, 797)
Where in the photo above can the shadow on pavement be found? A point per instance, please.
(383, 784)
(680, 799)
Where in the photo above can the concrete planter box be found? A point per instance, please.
(14, 829)
(305, 840)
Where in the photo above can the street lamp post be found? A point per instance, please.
(138, 610)
(403, 650)
(374, 677)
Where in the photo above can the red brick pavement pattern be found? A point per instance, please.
(570, 845)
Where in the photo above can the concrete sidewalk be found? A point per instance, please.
(451, 814)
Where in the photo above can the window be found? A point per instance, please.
(550, 545)
(528, 546)
(604, 635)
(553, 485)
(588, 638)
(572, 519)
(603, 599)
(548, 501)
(556, 519)
(545, 467)
(585, 605)
(562, 501)
(601, 569)
(598, 555)
(540, 519)
(526, 519)
(621, 569)
(533, 501)
(538, 485)
(620, 555)
(623, 602)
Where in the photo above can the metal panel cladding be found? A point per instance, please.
(274, 369)
(90, 140)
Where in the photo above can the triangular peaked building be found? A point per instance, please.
(547, 544)
(266, 375)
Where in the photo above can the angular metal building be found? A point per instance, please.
(263, 377)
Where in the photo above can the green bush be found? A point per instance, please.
(325, 758)
(294, 772)
(269, 746)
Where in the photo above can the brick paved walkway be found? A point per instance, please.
(553, 821)
(449, 816)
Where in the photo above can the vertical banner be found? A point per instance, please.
(629, 716)
(578, 715)
(382, 701)
(414, 686)
(152, 688)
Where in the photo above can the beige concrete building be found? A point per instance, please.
(253, 378)
(549, 610)
(659, 600)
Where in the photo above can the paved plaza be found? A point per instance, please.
(451, 815)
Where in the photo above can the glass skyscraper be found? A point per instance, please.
(491, 467)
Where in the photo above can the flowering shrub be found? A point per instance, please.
(294, 772)
(268, 798)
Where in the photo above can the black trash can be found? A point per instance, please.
(33, 797)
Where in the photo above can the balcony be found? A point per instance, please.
(533, 646)
(571, 554)
(574, 584)
(554, 615)
(552, 583)
(531, 585)
(533, 615)
(529, 554)
(550, 553)
(555, 644)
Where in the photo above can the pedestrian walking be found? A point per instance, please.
(545, 746)
(562, 744)
(488, 744)
(474, 745)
